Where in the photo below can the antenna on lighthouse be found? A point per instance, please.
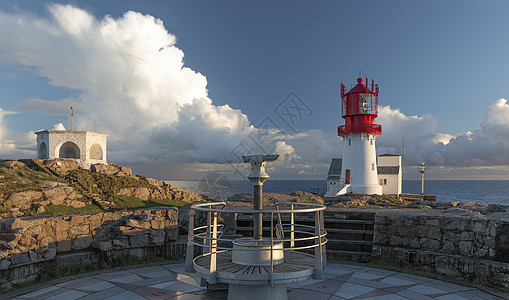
(72, 119)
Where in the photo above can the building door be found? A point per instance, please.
(347, 176)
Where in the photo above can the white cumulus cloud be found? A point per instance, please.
(6, 142)
(484, 146)
(132, 84)
(131, 78)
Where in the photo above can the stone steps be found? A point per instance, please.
(350, 236)
(96, 198)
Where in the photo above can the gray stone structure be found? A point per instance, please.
(31, 245)
(85, 147)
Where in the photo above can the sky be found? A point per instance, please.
(183, 88)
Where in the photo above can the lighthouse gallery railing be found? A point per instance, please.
(369, 128)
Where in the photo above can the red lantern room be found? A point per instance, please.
(359, 108)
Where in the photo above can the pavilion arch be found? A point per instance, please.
(96, 152)
(69, 150)
(43, 151)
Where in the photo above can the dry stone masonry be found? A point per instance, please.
(468, 235)
(457, 244)
(40, 239)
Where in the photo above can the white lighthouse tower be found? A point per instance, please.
(359, 173)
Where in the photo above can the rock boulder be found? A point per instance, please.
(22, 199)
(12, 164)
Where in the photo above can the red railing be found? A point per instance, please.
(339, 186)
(371, 128)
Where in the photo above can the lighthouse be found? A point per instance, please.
(357, 171)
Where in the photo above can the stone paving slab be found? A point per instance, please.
(170, 281)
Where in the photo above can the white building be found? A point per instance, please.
(390, 174)
(85, 147)
(335, 186)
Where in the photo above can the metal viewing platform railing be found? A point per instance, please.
(278, 258)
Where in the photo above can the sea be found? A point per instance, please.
(486, 191)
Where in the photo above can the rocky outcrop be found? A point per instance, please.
(381, 201)
(161, 191)
(270, 199)
(12, 164)
(22, 199)
(307, 197)
(111, 169)
(142, 193)
(61, 166)
(80, 188)
(54, 194)
(479, 207)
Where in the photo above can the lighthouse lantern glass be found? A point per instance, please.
(362, 103)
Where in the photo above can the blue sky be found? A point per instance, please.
(440, 65)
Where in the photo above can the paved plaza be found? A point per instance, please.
(169, 281)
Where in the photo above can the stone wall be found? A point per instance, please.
(462, 245)
(39, 240)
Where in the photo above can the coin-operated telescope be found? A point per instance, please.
(258, 176)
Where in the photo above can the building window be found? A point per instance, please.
(381, 182)
(371, 141)
(372, 166)
(349, 142)
(385, 181)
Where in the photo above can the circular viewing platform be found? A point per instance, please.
(283, 255)
(297, 266)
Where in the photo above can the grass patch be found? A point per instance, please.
(127, 201)
(26, 173)
(4, 206)
(23, 179)
(62, 209)
(55, 273)
(309, 200)
(167, 202)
